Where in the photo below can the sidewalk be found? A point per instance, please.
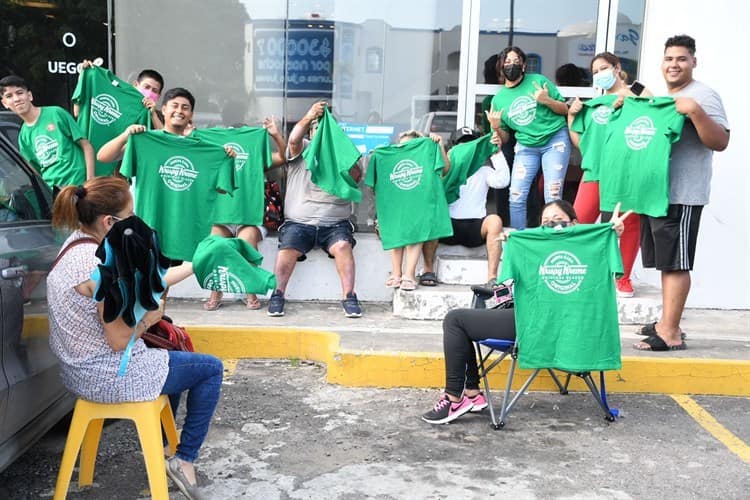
(382, 350)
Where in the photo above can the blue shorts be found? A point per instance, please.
(304, 237)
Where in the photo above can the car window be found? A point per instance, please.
(19, 200)
(11, 132)
(444, 123)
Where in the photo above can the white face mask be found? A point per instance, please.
(605, 79)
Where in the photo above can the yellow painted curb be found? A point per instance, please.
(421, 369)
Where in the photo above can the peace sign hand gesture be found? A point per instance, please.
(617, 220)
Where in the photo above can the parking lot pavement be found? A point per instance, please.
(281, 432)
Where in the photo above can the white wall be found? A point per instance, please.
(721, 278)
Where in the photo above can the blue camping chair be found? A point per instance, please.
(501, 349)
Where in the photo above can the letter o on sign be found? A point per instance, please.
(69, 39)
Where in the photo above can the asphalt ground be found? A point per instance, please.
(282, 432)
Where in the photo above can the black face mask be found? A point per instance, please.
(512, 72)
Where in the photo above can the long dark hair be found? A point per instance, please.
(501, 61)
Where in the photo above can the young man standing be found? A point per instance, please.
(50, 139)
(668, 243)
(313, 218)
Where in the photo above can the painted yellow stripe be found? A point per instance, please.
(230, 365)
(708, 422)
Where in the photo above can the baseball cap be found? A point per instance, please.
(463, 134)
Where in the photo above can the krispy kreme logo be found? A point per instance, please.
(222, 280)
(639, 133)
(241, 158)
(105, 109)
(562, 272)
(522, 110)
(406, 175)
(46, 149)
(178, 173)
(601, 115)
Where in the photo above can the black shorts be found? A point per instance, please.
(668, 243)
(466, 232)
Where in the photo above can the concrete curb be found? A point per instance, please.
(718, 377)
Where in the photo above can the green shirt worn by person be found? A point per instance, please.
(466, 158)
(231, 265)
(533, 123)
(51, 146)
(564, 292)
(409, 196)
(591, 123)
(108, 105)
(635, 168)
(178, 181)
(329, 157)
(253, 148)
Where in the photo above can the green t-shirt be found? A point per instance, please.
(51, 147)
(329, 157)
(635, 166)
(466, 158)
(177, 183)
(591, 123)
(231, 265)
(533, 123)
(564, 292)
(108, 105)
(253, 148)
(409, 196)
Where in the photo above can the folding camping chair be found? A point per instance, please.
(508, 348)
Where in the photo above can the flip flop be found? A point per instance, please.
(428, 279)
(213, 304)
(408, 285)
(649, 329)
(657, 344)
(252, 305)
(393, 282)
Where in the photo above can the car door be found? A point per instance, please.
(30, 384)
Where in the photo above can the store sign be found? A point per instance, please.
(367, 137)
(65, 67)
(301, 63)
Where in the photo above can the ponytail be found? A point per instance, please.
(77, 206)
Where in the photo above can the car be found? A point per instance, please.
(442, 123)
(32, 396)
(10, 126)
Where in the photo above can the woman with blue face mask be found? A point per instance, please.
(531, 105)
(588, 123)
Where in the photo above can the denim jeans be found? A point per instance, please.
(201, 376)
(553, 158)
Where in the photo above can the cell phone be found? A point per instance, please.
(502, 294)
(637, 88)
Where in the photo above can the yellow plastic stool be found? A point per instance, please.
(86, 429)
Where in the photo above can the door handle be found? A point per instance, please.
(12, 273)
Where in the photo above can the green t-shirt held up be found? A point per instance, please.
(635, 155)
(253, 148)
(466, 158)
(564, 292)
(329, 157)
(108, 105)
(591, 123)
(409, 196)
(51, 146)
(533, 123)
(178, 182)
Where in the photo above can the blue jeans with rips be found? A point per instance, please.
(201, 376)
(553, 158)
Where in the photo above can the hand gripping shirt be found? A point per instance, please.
(591, 123)
(51, 146)
(108, 105)
(565, 303)
(635, 155)
(533, 123)
(466, 158)
(253, 148)
(409, 196)
(178, 179)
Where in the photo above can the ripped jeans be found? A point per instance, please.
(553, 158)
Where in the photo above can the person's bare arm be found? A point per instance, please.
(277, 157)
(118, 333)
(356, 172)
(494, 118)
(114, 149)
(711, 134)
(575, 108)
(89, 158)
(300, 129)
(541, 95)
(447, 162)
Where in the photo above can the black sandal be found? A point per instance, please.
(657, 344)
(428, 279)
(650, 329)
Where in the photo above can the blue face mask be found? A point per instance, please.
(605, 79)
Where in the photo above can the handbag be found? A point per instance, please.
(164, 334)
(273, 216)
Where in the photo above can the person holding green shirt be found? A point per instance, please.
(50, 139)
(531, 105)
(462, 327)
(588, 126)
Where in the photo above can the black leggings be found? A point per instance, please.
(460, 328)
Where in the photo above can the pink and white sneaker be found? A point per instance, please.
(479, 403)
(447, 411)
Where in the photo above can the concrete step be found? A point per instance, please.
(461, 270)
(432, 303)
